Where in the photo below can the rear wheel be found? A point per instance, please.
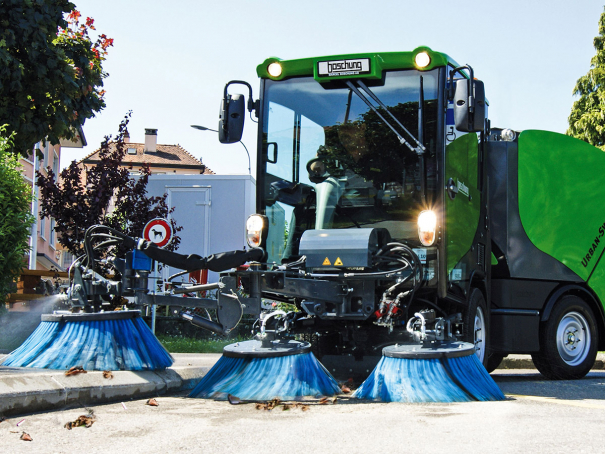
(568, 340)
(476, 325)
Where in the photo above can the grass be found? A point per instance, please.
(179, 344)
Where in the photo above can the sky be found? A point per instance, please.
(171, 60)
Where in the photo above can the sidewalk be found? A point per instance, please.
(28, 390)
(25, 390)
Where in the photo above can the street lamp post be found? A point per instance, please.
(203, 128)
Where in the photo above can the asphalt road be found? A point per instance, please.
(538, 416)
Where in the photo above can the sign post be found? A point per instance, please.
(159, 232)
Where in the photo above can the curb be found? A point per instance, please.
(41, 390)
(525, 362)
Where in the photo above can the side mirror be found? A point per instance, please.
(231, 118)
(469, 105)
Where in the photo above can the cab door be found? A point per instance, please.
(462, 200)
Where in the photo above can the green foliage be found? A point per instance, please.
(83, 198)
(15, 216)
(587, 119)
(180, 344)
(51, 74)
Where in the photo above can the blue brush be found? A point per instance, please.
(100, 341)
(252, 370)
(429, 373)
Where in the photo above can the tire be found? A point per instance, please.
(493, 361)
(568, 340)
(476, 325)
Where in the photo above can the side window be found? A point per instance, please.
(280, 132)
(312, 136)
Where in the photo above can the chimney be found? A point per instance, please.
(126, 137)
(151, 140)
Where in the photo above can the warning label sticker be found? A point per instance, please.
(326, 262)
(338, 262)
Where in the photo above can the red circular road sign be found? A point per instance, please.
(158, 231)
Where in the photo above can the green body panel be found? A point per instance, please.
(379, 62)
(561, 201)
(462, 213)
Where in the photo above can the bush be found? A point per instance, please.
(15, 216)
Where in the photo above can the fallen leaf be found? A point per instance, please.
(84, 420)
(107, 374)
(288, 406)
(272, 404)
(26, 437)
(260, 406)
(75, 370)
(153, 403)
(233, 400)
(323, 401)
(345, 389)
(304, 407)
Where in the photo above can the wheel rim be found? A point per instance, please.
(479, 329)
(573, 338)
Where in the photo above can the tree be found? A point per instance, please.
(84, 198)
(587, 119)
(51, 74)
(15, 216)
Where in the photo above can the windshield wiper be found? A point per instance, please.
(419, 148)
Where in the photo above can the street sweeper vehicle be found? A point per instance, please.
(392, 222)
(390, 211)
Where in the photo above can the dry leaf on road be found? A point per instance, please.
(84, 420)
(75, 370)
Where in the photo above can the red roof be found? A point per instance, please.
(169, 156)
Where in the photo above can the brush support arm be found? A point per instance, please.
(202, 322)
(215, 262)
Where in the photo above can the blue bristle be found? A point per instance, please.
(126, 344)
(473, 377)
(286, 377)
(410, 380)
(461, 379)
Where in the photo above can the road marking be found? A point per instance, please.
(554, 400)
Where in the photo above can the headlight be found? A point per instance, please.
(422, 59)
(427, 224)
(274, 69)
(255, 230)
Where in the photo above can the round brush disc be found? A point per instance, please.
(255, 349)
(429, 350)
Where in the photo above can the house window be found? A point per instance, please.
(43, 228)
(55, 163)
(52, 233)
(67, 259)
(132, 151)
(46, 155)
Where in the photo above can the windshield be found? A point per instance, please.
(333, 163)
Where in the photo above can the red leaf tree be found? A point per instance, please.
(82, 198)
